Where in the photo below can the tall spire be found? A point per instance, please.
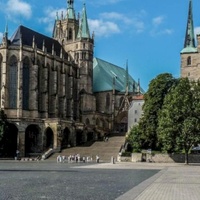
(84, 31)
(189, 45)
(70, 10)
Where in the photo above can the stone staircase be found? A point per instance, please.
(105, 150)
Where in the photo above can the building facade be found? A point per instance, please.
(49, 88)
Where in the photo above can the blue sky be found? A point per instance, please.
(149, 33)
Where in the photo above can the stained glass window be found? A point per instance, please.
(25, 84)
(12, 82)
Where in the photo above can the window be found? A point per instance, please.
(26, 79)
(12, 83)
(135, 111)
(189, 61)
(70, 36)
(107, 101)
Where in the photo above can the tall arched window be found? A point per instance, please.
(12, 82)
(189, 60)
(26, 78)
(107, 101)
(70, 36)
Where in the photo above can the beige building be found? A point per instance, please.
(55, 93)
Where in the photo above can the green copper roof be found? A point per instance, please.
(189, 50)
(70, 10)
(83, 31)
(189, 45)
(104, 73)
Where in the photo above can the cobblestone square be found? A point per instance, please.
(64, 181)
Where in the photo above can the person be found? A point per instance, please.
(17, 154)
(97, 158)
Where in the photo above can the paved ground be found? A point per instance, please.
(104, 181)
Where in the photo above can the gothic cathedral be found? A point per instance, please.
(55, 93)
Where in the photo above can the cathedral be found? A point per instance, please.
(55, 93)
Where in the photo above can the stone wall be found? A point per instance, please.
(164, 158)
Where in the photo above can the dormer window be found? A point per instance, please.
(189, 60)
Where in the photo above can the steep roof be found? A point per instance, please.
(104, 73)
(70, 10)
(27, 36)
(83, 31)
(189, 45)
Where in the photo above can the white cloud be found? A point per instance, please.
(103, 28)
(197, 30)
(115, 16)
(18, 8)
(158, 29)
(104, 2)
(157, 20)
(50, 16)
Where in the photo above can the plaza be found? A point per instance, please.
(104, 181)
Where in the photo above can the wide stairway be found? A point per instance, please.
(104, 149)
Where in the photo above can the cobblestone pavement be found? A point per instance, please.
(104, 181)
(64, 181)
(172, 182)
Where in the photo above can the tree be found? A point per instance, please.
(158, 89)
(134, 138)
(179, 119)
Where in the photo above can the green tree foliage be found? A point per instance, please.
(179, 119)
(134, 138)
(158, 89)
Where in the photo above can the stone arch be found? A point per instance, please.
(90, 136)
(8, 144)
(66, 138)
(79, 137)
(49, 138)
(33, 140)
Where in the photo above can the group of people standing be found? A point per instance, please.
(75, 158)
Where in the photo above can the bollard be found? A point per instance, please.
(112, 160)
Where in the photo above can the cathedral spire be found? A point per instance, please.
(189, 45)
(83, 27)
(70, 10)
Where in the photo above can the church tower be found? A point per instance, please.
(190, 54)
(73, 34)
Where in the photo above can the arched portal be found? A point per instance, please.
(66, 138)
(33, 141)
(49, 138)
(8, 145)
(90, 136)
(79, 137)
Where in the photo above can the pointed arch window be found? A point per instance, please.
(107, 101)
(26, 79)
(12, 82)
(70, 35)
(189, 60)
